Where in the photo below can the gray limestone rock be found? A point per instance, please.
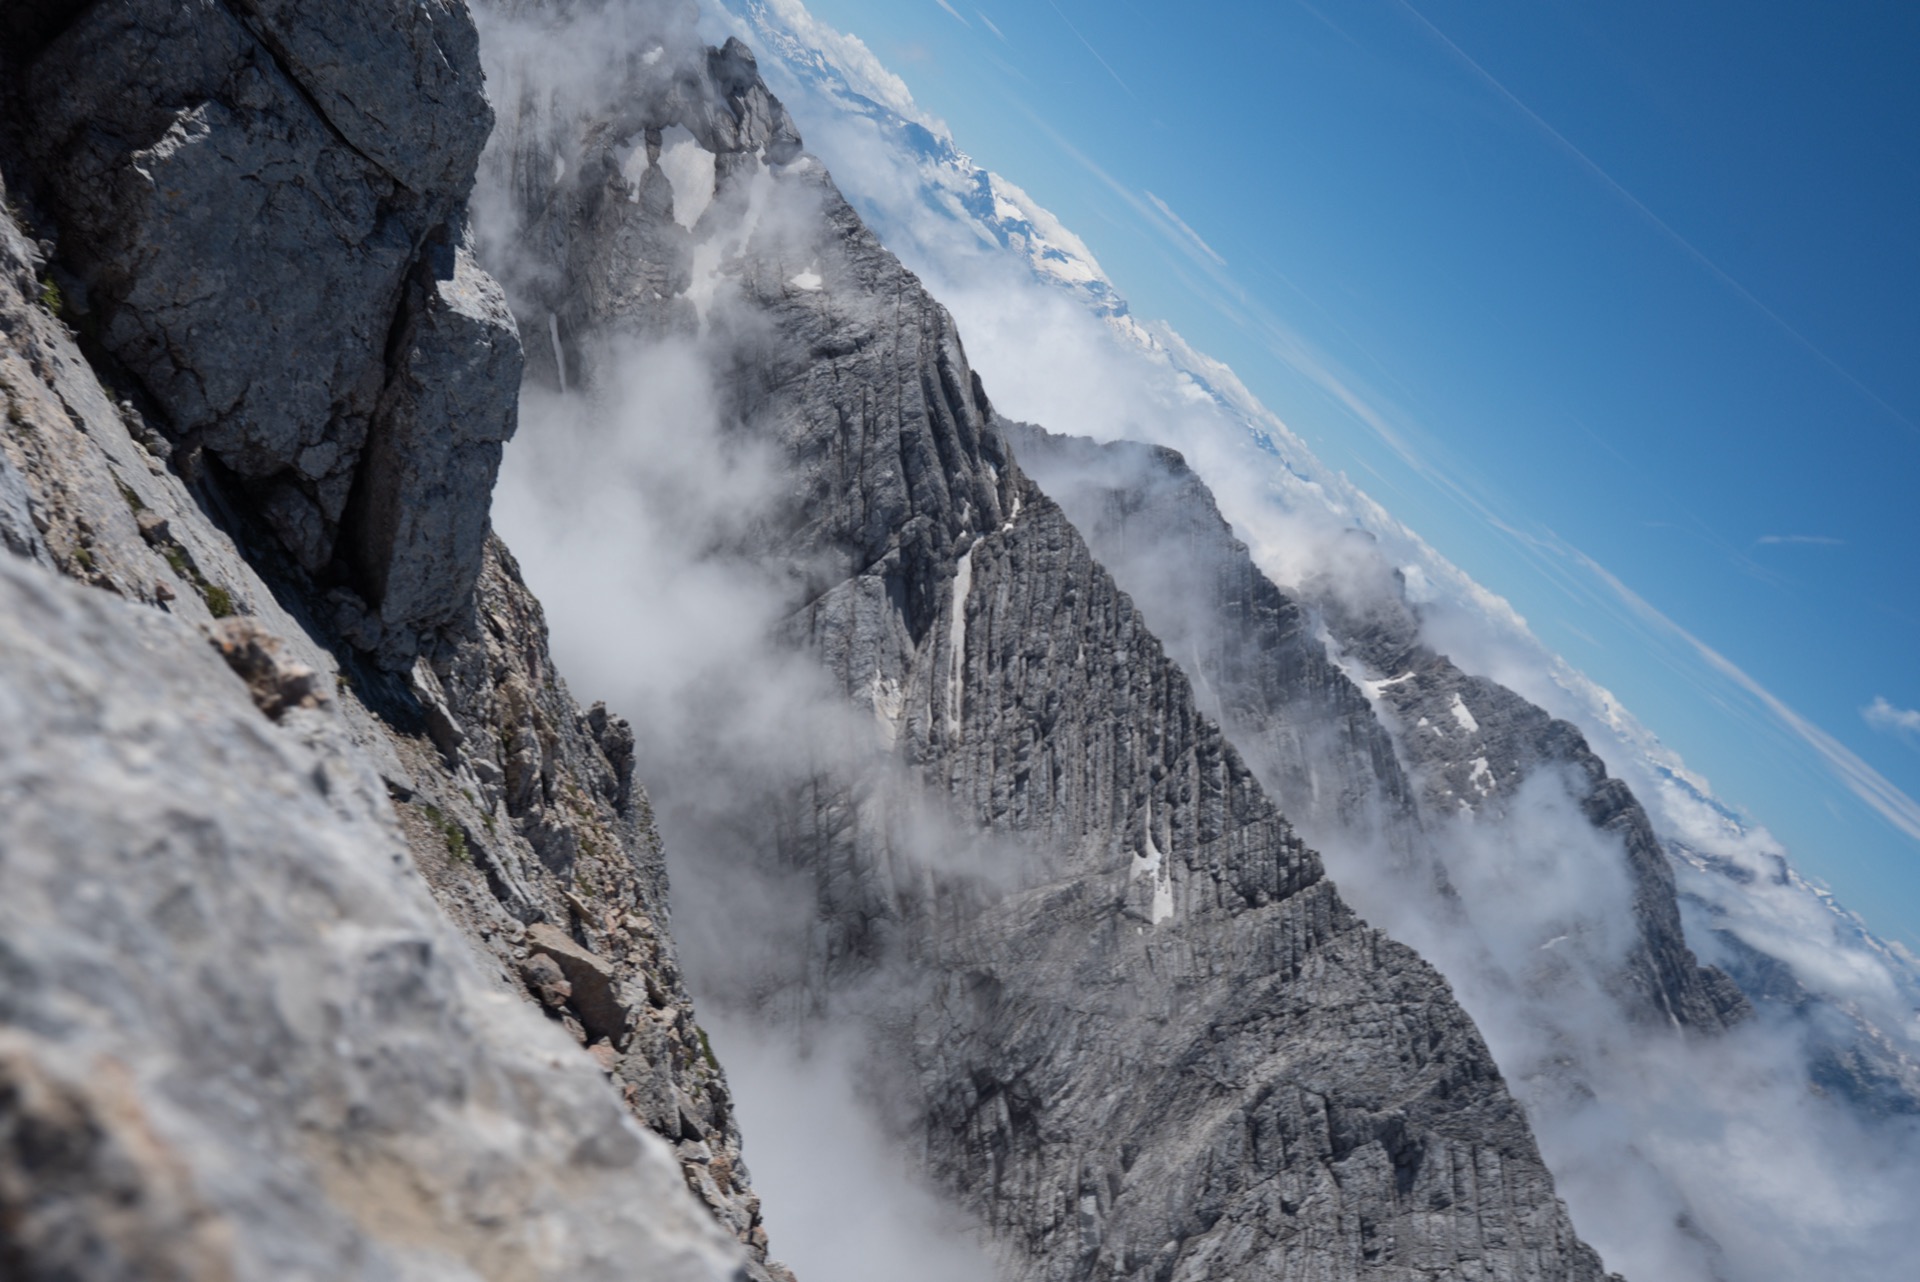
(426, 484)
(213, 210)
(1256, 656)
(1135, 1030)
(1310, 732)
(263, 203)
(398, 83)
(17, 534)
(515, 805)
(237, 1040)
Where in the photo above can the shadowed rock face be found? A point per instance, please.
(1145, 1038)
(1468, 743)
(262, 204)
(216, 859)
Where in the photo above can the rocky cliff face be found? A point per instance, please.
(240, 1039)
(1320, 742)
(228, 178)
(1300, 1094)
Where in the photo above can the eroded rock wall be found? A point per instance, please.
(1468, 743)
(1141, 1035)
(228, 180)
(271, 197)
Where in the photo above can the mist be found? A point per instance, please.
(628, 510)
(635, 500)
(1681, 1156)
(641, 496)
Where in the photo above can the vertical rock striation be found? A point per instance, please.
(1314, 737)
(1142, 1035)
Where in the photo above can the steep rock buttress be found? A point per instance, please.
(256, 388)
(1143, 1037)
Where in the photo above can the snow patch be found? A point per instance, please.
(1464, 716)
(1148, 861)
(809, 280)
(957, 640)
(690, 168)
(1373, 688)
(1482, 777)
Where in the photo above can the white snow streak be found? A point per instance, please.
(1464, 716)
(1150, 862)
(957, 641)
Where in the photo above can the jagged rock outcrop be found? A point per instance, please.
(1142, 1035)
(1468, 742)
(232, 179)
(237, 1039)
(1257, 656)
(519, 808)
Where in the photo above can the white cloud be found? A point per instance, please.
(1866, 783)
(1672, 1117)
(990, 25)
(1882, 715)
(1801, 540)
(957, 17)
(864, 71)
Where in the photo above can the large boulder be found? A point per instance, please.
(261, 204)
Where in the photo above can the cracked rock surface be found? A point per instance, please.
(232, 178)
(473, 767)
(1440, 743)
(237, 1038)
(1142, 1037)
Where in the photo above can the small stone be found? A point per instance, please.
(584, 910)
(276, 683)
(547, 981)
(161, 592)
(596, 990)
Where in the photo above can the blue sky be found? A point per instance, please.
(1634, 289)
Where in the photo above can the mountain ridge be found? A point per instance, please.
(1718, 855)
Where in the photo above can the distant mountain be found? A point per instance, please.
(1834, 1007)
(1784, 938)
(944, 792)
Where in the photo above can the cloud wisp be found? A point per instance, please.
(1090, 49)
(955, 13)
(1799, 540)
(1861, 779)
(1882, 715)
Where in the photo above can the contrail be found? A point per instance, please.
(1090, 49)
(1613, 184)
